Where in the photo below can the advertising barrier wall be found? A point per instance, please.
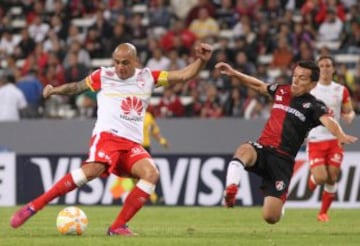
(185, 180)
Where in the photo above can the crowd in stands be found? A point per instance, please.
(59, 41)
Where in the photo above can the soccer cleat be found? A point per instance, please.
(121, 231)
(230, 195)
(21, 216)
(323, 218)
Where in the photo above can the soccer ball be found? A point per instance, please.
(71, 221)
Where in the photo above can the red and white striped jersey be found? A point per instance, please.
(334, 96)
(122, 103)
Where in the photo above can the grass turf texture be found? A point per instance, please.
(189, 226)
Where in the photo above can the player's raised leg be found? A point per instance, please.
(244, 154)
(69, 182)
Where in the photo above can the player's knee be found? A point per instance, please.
(246, 153)
(152, 175)
(93, 170)
(321, 179)
(271, 219)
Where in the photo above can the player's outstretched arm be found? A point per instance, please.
(333, 126)
(203, 53)
(65, 89)
(249, 81)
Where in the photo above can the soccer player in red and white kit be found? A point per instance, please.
(325, 153)
(294, 112)
(124, 92)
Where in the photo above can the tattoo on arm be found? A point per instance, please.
(72, 88)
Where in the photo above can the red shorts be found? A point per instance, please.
(326, 152)
(119, 154)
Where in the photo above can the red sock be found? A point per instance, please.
(326, 201)
(62, 187)
(133, 203)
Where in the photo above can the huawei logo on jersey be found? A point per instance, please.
(132, 106)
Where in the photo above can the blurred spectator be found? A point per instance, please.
(300, 35)
(94, 44)
(74, 34)
(178, 35)
(8, 43)
(212, 107)
(170, 105)
(57, 26)
(282, 55)
(52, 43)
(332, 5)
(181, 8)
(246, 8)
(32, 88)
(76, 8)
(264, 43)
(331, 28)
(204, 26)
(194, 108)
(234, 107)
(82, 55)
(159, 14)
(345, 77)
(38, 29)
(12, 100)
(176, 62)
(25, 46)
(194, 12)
(225, 14)
(304, 52)
(243, 64)
(54, 71)
(158, 61)
(36, 10)
(119, 36)
(102, 25)
(252, 106)
(222, 84)
(240, 45)
(36, 61)
(138, 32)
(351, 40)
(272, 11)
(75, 69)
(117, 8)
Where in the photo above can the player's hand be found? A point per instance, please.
(225, 68)
(349, 117)
(204, 51)
(47, 91)
(347, 139)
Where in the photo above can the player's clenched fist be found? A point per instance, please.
(203, 51)
(47, 91)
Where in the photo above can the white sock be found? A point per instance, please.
(330, 188)
(234, 172)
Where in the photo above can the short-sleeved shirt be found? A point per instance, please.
(334, 95)
(122, 103)
(290, 120)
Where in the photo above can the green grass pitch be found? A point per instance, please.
(189, 226)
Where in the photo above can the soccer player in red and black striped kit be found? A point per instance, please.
(294, 113)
